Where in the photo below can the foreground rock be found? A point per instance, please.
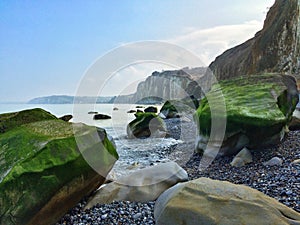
(141, 186)
(256, 113)
(146, 125)
(43, 174)
(206, 201)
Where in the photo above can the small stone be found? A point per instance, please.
(296, 162)
(275, 161)
(242, 158)
(104, 216)
(137, 216)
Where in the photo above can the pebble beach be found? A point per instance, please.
(280, 182)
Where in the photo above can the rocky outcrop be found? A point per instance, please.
(206, 201)
(146, 125)
(140, 186)
(276, 48)
(256, 113)
(43, 173)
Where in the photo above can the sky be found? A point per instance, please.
(47, 47)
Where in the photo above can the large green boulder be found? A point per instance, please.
(257, 110)
(43, 172)
(146, 125)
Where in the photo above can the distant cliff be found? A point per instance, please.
(160, 86)
(276, 48)
(171, 84)
(65, 99)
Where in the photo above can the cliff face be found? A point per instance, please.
(173, 84)
(167, 85)
(276, 48)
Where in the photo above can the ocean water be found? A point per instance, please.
(133, 153)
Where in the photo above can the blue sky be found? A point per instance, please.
(46, 46)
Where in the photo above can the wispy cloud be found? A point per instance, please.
(209, 43)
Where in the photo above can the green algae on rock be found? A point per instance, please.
(146, 125)
(43, 173)
(11, 120)
(175, 108)
(258, 108)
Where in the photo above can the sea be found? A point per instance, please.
(134, 154)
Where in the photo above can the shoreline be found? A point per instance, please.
(280, 182)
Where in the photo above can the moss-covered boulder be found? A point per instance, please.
(175, 108)
(168, 110)
(43, 173)
(257, 110)
(146, 125)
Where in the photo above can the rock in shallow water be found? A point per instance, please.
(101, 117)
(146, 125)
(43, 173)
(151, 109)
(66, 118)
(206, 201)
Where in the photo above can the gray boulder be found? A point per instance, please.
(140, 186)
(206, 201)
(242, 158)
